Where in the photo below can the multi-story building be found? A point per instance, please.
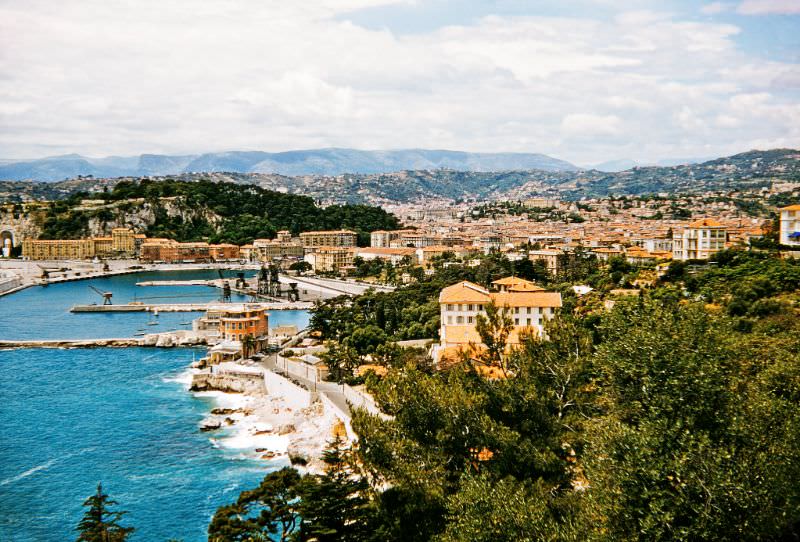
(223, 251)
(330, 259)
(526, 304)
(170, 251)
(332, 238)
(699, 240)
(123, 242)
(103, 247)
(552, 259)
(384, 238)
(236, 323)
(790, 225)
(61, 249)
(269, 249)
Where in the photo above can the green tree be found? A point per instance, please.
(494, 329)
(259, 514)
(99, 522)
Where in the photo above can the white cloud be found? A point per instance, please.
(113, 77)
(769, 7)
(589, 125)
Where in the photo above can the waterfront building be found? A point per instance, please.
(330, 259)
(170, 251)
(332, 238)
(121, 243)
(282, 247)
(699, 240)
(223, 251)
(236, 323)
(528, 305)
(58, 249)
(790, 225)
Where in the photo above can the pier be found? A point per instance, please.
(189, 307)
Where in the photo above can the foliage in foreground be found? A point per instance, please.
(675, 416)
(100, 523)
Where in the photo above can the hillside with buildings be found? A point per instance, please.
(750, 170)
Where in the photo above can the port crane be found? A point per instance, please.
(105, 295)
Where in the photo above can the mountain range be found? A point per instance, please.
(752, 170)
(331, 161)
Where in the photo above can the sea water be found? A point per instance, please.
(121, 416)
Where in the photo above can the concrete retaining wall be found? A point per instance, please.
(295, 396)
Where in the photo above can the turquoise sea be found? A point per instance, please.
(72, 418)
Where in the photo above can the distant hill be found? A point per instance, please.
(303, 162)
(746, 171)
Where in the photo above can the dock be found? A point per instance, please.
(189, 307)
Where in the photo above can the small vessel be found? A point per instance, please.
(154, 320)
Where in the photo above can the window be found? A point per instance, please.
(529, 321)
(469, 307)
(540, 310)
(516, 321)
(459, 319)
(449, 307)
(450, 320)
(529, 310)
(470, 320)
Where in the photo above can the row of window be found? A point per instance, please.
(517, 310)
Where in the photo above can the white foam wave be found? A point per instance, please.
(28, 472)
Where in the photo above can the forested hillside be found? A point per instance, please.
(205, 210)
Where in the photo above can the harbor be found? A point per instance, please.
(62, 369)
(186, 307)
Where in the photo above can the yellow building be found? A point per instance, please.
(331, 238)
(103, 247)
(123, 242)
(330, 259)
(528, 306)
(60, 249)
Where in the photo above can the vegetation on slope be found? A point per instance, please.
(667, 418)
(217, 212)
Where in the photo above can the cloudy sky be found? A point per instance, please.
(582, 80)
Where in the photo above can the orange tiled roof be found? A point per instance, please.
(464, 292)
(795, 207)
(706, 223)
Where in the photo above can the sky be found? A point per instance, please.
(582, 80)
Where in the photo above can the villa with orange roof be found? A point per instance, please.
(529, 306)
(699, 240)
(790, 225)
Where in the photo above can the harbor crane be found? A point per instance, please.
(226, 288)
(105, 295)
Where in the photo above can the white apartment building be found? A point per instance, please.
(699, 240)
(790, 225)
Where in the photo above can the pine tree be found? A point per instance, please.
(100, 523)
(335, 506)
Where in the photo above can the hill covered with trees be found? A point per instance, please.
(204, 210)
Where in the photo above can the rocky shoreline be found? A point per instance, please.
(265, 424)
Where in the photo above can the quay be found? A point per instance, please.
(188, 307)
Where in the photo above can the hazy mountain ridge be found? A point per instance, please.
(750, 170)
(332, 161)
